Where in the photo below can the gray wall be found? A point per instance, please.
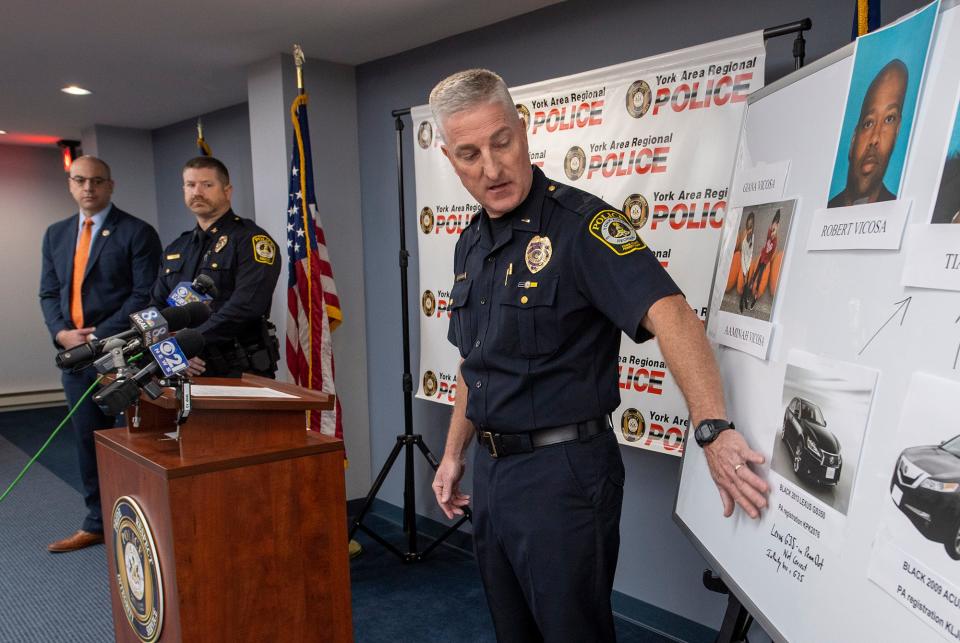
(227, 132)
(33, 194)
(657, 563)
(130, 155)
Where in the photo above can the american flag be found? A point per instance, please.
(313, 308)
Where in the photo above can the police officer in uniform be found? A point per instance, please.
(241, 259)
(545, 279)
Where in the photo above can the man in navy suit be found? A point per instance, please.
(98, 266)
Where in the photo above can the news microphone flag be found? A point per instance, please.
(313, 308)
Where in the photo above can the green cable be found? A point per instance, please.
(50, 439)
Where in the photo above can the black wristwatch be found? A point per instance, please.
(708, 430)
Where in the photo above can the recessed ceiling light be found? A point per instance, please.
(2, 132)
(74, 90)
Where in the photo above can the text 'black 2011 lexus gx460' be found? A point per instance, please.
(926, 487)
(815, 450)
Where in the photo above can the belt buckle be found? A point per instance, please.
(492, 444)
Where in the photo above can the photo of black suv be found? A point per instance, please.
(926, 487)
(814, 450)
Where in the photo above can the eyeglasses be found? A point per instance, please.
(95, 181)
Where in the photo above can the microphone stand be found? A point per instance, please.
(182, 388)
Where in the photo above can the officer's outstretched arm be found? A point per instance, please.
(687, 351)
(446, 483)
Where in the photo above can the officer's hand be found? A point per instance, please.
(196, 366)
(74, 337)
(729, 459)
(446, 486)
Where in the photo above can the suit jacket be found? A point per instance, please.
(121, 268)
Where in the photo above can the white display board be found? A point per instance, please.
(836, 557)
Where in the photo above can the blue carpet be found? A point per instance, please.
(65, 597)
(28, 430)
(47, 597)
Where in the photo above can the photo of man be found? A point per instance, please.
(947, 207)
(879, 113)
(875, 135)
(754, 273)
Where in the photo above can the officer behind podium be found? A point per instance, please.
(241, 259)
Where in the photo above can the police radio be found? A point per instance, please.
(202, 289)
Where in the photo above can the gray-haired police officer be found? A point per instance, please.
(545, 278)
(241, 259)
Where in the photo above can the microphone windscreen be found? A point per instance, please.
(191, 342)
(187, 316)
(205, 286)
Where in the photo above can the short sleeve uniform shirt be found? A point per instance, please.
(539, 303)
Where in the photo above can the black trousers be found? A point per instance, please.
(546, 532)
(86, 419)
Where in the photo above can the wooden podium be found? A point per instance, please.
(247, 512)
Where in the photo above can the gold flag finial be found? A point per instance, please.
(298, 60)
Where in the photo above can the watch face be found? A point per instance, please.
(703, 432)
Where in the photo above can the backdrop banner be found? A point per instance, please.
(656, 137)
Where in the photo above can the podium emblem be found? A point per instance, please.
(138, 570)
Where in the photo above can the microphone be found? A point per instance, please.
(201, 290)
(170, 357)
(146, 326)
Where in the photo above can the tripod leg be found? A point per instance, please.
(375, 489)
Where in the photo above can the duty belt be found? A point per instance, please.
(499, 445)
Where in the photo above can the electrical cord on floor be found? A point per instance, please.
(50, 439)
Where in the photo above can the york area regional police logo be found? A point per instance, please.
(524, 115)
(426, 220)
(637, 209)
(428, 302)
(138, 570)
(574, 163)
(616, 232)
(632, 425)
(425, 134)
(429, 384)
(264, 251)
(638, 98)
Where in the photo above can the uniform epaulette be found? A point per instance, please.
(576, 200)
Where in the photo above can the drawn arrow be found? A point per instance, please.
(956, 357)
(902, 305)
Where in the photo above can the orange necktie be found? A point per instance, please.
(80, 267)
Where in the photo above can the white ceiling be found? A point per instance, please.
(152, 63)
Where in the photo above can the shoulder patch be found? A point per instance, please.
(264, 250)
(616, 232)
